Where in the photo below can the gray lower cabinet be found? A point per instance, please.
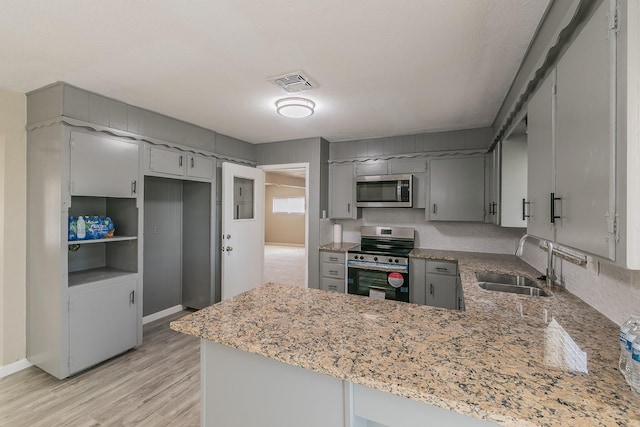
(456, 189)
(102, 322)
(341, 192)
(434, 283)
(332, 271)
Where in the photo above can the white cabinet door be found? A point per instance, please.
(456, 189)
(167, 161)
(341, 183)
(585, 181)
(514, 181)
(103, 165)
(540, 170)
(102, 323)
(199, 167)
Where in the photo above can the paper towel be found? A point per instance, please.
(337, 233)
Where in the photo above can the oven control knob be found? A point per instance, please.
(390, 259)
(397, 261)
(355, 257)
(361, 257)
(375, 258)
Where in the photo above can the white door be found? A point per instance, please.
(242, 228)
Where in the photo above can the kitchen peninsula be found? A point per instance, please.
(283, 356)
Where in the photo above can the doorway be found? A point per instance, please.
(286, 224)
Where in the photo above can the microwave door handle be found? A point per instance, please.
(399, 191)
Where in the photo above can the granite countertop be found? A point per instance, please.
(511, 359)
(338, 247)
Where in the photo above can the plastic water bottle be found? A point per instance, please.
(625, 343)
(81, 229)
(633, 368)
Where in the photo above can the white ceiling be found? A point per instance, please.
(384, 67)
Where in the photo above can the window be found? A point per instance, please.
(288, 205)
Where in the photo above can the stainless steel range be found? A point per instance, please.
(379, 267)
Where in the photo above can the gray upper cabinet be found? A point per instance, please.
(103, 165)
(585, 132)
(513, 184)
(341, 191)
(199, 166)
(456, 189)
(571, 142)
(177, 164)
(492, 182)
(166, 161)
(540, 171)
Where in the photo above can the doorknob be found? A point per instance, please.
(229, 249)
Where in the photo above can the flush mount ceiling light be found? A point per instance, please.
(295, 107)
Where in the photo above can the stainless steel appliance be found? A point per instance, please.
(384, 191)
(379, 267)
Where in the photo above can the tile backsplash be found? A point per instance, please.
(457, 236)
(612, 290)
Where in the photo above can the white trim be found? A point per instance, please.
(14, 367)
(160, 314)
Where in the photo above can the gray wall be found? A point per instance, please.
(162, 244)
(469, 139)
(315, 152)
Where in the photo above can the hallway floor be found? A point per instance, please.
(284, 264)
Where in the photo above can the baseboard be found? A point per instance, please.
(14, 367)
(160, 314)
(295, 245)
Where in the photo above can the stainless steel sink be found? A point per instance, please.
(509, 283)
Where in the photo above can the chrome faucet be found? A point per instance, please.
(551, 275)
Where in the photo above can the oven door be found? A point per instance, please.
(378, 283)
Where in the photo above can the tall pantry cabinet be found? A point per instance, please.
(83, 297)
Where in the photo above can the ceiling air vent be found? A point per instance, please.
(293, 82)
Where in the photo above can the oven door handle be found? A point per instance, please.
(388, 269)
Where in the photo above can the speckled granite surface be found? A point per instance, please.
(338, 247)
(501, 360)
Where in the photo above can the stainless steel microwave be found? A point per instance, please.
(384, 191)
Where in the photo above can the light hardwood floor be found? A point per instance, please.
(157, 384)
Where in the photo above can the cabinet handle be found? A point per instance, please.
(459, 303)
(435, 209)
(132, 297)
(442, 269)
(333, 259)
(431, 288)
(333, 272)
(495, 208)
(348, 207)
(552, 201)
(192, 160)
(180, 162)
(524, 214)
(134, 187)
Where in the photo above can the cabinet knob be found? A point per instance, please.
(229, 249)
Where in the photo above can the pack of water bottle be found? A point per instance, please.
(629, 363)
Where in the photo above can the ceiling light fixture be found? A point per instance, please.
(295, 107)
